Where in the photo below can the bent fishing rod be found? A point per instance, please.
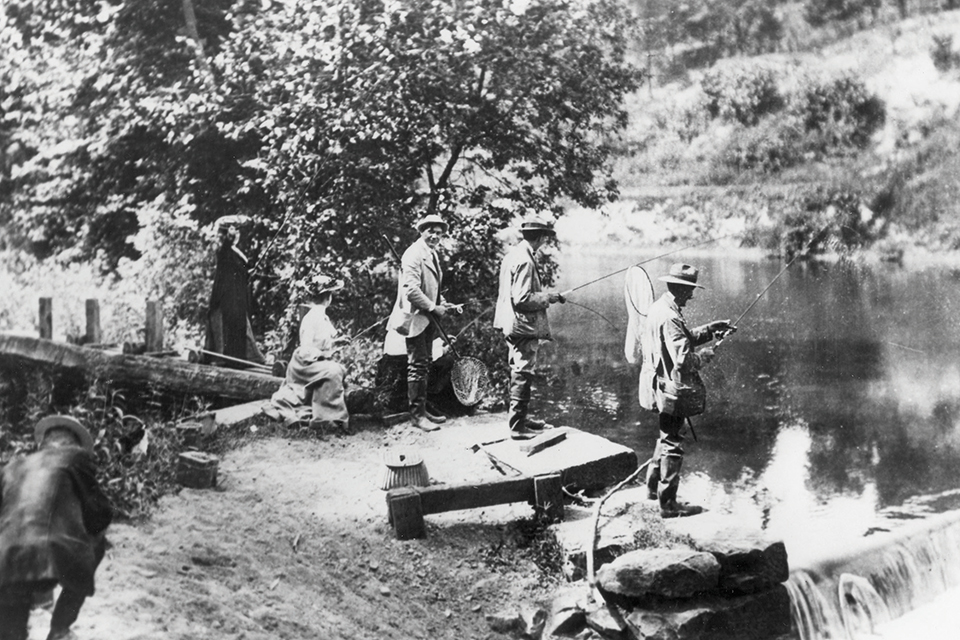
(770, 284)
(637, 264)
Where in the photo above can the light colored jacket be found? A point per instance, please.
(521, 304)
(667, 346)
(418, 290)
(317, 332)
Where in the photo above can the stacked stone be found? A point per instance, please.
(729, 588)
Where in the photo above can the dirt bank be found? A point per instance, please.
(294, 543)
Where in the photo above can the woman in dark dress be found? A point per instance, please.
(228, 317)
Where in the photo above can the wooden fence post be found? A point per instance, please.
(46, 318)
(154, 326)
(94, 336)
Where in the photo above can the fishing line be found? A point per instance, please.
(637, 264)
(770, 284)
(594, 311)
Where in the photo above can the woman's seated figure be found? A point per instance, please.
(313, 388)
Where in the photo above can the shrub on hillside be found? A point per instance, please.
(821, 12)
(743, 94)
(839, 113)
(943, 55)
(773, 145)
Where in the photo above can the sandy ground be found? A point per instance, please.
(294, 543)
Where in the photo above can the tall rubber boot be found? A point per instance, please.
(519, 401)
(416, 393)
(670, 466)
(653, 473)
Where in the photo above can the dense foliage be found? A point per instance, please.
(330, 123)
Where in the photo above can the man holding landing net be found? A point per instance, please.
(670, 383)
(522, 316)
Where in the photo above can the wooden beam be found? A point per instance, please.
(406, 506)
(93, 335)
(473, 495)
(46, 318)
(166, 373)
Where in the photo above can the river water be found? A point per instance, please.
(832, 413)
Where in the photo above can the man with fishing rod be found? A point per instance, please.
(415, 313)
(521, 314)
(670, 383)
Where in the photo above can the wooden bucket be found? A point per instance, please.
(404, 469)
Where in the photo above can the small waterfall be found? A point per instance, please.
(845, 597)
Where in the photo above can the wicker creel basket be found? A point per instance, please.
(403, 469)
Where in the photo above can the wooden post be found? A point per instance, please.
(94, 336)
(548, 492)
(154, 326)
(46, 318)
(406, 513)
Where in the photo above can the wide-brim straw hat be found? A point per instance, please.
(432, 218)
(684, 274)
(64, 422)
(321, 284)
(231, 221)
(536, 223)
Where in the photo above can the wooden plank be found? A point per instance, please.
(585, 460)
(154, 326)
(46, 318)
(239, 415)
(544, 440)
(167, 373)
(93, 335)
(473, 495)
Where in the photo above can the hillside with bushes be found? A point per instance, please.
(859, 133)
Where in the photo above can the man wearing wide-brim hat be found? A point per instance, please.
(419, 298)
(53, 516)
(314, 378)
(521, 314)
(669, 363)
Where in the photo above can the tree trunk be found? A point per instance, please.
(191, 19)
(174, 375)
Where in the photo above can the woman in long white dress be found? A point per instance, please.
(314, 379)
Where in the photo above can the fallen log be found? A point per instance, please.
(166, 373)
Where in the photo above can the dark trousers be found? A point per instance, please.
(419, 358)
(663, 474)
(15, 605)
(522, 354)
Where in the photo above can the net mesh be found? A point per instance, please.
(470, 380)
(638, 295)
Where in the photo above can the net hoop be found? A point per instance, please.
(638, 296)
(470, 380)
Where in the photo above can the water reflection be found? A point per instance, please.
(838, 398)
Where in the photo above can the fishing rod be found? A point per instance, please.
(770, 284)
(597, 313)
(636, 264)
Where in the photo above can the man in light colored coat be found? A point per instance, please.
(521, 314)
(418, 296)
(668, 353)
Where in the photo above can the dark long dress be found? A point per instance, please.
(228, 318)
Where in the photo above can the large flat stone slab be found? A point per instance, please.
(584, 460)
